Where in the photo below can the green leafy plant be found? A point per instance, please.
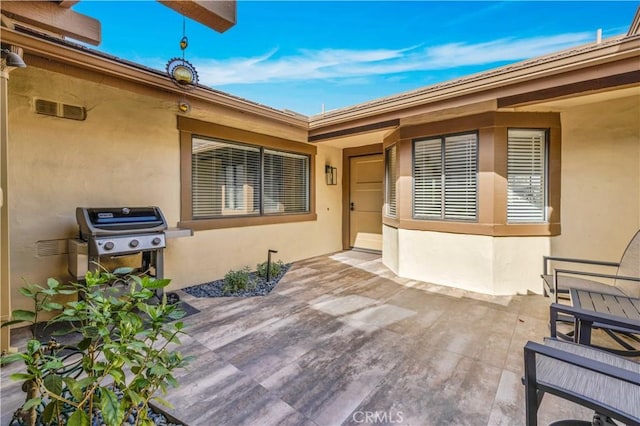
(276, 268)
(236, 281)
(125, 355)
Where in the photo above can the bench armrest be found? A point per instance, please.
(590, 316)
(594, 274)
(557, 358)
(557, 272)
(546, 259)
(581, 361)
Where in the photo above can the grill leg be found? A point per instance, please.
(153, 264)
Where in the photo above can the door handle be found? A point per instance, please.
(352, 206)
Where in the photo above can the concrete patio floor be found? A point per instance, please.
(342, 340)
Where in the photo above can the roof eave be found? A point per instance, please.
(86, 59)
(534, 69)
(634, 28)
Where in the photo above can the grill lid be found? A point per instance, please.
(107, 221)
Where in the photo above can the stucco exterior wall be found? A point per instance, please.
(517, 264)
(390, 248)
(127, 153)
(600, 201)
(480, 263)
(456, 260)
(600, 179)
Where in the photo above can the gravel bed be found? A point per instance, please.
(157, 418)
(214, 288)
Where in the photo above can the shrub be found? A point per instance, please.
(237, 281)
(276, 269)
(124, 355)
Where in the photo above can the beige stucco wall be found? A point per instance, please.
(457, 260)
(480, 263)
(127, 153)
(390, 248)
(600, 179)
(517, 263)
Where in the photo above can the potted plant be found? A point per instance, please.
(125, 351)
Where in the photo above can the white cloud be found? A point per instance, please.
(459, 54)
(351, 64)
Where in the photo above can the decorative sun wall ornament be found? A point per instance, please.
(182, 73)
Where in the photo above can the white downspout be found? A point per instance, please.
(5, 284)
(5, 273)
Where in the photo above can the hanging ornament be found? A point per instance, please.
(181, 71)
(184, 106)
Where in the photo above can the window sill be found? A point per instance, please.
(393, 222)
(237, 222)
(489, 229)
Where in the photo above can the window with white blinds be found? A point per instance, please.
(427, 179)
(445, 177)
(391, 175)
(286, 182)
(233, 179)
(526, 170)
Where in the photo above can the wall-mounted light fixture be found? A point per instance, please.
(331, 174)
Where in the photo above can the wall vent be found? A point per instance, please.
(57, 109)
(51, 247)
(46, 107)
(73, 112)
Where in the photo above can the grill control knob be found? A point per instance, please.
(134, 243)
(109, 245)
(156, 241)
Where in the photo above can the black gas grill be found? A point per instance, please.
(111, 232)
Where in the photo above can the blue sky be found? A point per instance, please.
(299, 55)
